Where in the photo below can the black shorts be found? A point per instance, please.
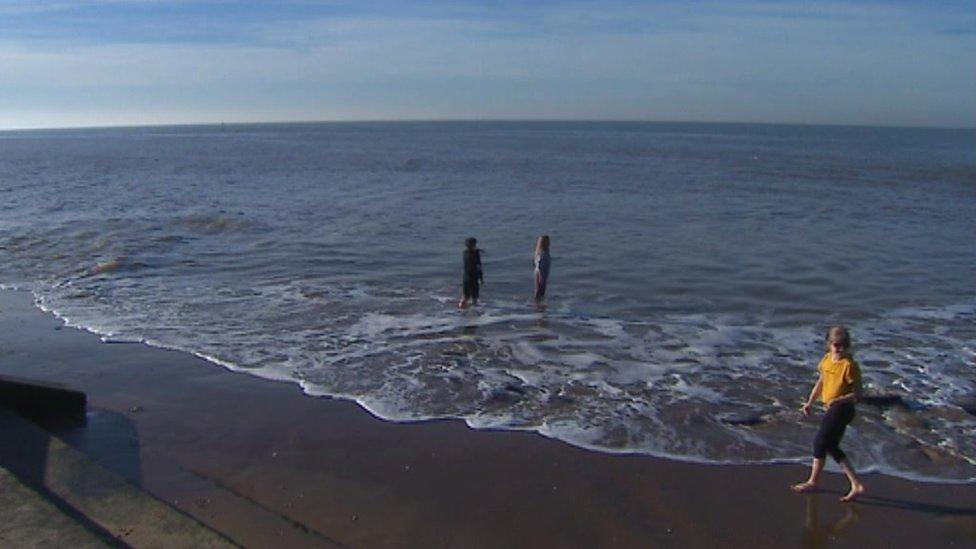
(831, 431)
(471, 289)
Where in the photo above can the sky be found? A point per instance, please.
(146, 62)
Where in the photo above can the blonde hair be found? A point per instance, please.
(542, 244)
(838, 334)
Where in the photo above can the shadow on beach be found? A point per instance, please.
(904, 505)
(821, 531)
(109, 438)
(917, 506)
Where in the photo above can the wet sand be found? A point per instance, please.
(268, 466)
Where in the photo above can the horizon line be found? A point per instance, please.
(471, 120)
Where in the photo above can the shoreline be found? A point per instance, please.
(830, 467)
(264, 463)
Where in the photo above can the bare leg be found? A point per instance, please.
(811, 483)
(857, 487)
(462, 303)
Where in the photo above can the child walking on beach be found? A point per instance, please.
(472, 275)
(838, 387)
(542, 261)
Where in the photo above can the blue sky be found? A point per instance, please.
(132, 62)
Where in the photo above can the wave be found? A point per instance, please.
(116, 265)
(682, 387)
(213, 224)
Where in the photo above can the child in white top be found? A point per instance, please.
(542, 262)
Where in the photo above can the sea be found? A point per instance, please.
(695, 269)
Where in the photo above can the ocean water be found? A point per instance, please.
(695, 269)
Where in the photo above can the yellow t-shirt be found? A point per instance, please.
(839, 378)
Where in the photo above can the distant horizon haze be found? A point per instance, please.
(98, 63)
(469, 121)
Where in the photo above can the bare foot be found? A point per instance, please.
(804, 487)
(856, 491)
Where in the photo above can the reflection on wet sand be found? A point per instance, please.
(816, 534)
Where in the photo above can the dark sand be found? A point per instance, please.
(268, 466)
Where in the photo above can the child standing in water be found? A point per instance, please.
(472, 275)
(542, 261)
(839, 386)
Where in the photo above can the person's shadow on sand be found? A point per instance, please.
(818, 534)
(935, 509)
(872, 500)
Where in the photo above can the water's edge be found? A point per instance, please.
(308, 390)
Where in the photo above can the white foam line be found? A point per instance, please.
(472, 421)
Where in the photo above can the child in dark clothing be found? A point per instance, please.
(472, 273)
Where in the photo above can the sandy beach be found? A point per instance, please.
(266, 465)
